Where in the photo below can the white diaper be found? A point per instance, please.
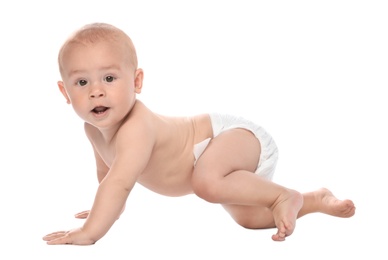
(269, 150)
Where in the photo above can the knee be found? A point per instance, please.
(253, 219)
(246, 222)
(205, 188)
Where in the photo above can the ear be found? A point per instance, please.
(139, 75)
(61, 87)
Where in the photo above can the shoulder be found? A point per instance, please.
(138, 127)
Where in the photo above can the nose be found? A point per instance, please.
(96, 92)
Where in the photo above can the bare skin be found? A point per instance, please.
(132, 144)
(277, 206)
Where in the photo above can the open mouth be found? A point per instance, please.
(100, 110)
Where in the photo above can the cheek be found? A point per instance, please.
(77, 102)
(126, 99)
(126, 95)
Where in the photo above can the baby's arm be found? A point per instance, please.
(102, 170)
(133, 151)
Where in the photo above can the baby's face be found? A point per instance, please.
(99, 82)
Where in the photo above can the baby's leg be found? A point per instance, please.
(224, 174)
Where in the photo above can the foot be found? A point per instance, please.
(328, 204)
(285, 212)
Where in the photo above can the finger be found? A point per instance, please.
(61, 240)
(54, 235)
(83, 214)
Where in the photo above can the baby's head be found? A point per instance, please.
(100, 32)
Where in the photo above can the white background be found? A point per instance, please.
(313, 73)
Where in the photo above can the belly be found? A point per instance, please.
(172, 179)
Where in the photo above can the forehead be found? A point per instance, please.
(84, 57)
(88, 56)
(96, 48)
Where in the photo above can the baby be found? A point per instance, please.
(221, 158)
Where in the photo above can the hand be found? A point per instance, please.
(83, 214)
(74, 237)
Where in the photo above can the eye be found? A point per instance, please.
(109, 78)
(82, 82)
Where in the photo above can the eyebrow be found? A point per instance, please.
(79, 71)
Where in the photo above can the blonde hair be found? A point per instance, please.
(97, 32)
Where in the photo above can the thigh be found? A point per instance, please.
(231, 150)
